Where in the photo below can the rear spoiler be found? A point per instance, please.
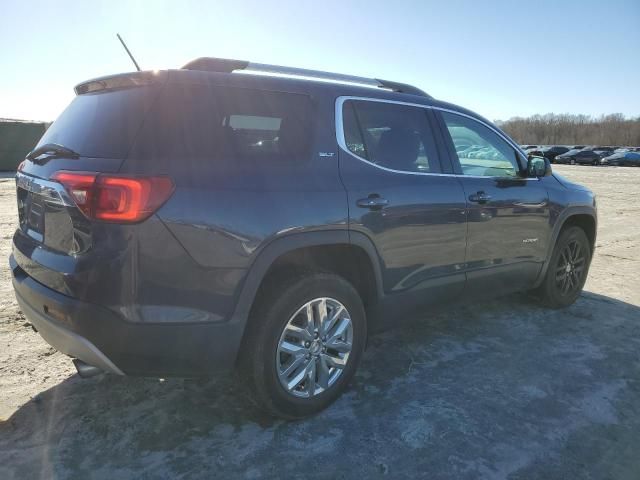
(225, 65)
(122, 80)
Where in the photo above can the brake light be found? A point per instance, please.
(116, 198)
(80, 188)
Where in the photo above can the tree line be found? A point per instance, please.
(567, 129)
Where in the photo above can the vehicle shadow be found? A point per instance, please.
(480, 391)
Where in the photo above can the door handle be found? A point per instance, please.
(479, 197)
(531, 205)
(373, 202)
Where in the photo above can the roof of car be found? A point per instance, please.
(225, 65)
(299, 80)
(292, 85)
(314, 86)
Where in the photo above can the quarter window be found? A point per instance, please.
(480, 150)
(390, 135)
(227, 124)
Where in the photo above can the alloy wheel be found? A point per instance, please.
(314, 347)
(570, 268)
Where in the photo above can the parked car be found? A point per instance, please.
(628, 159)
(627, 149)
(603, 151)
(584, 157)
(533, 151)
(552, 152)
(211, 220)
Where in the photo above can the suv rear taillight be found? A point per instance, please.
(115, 198)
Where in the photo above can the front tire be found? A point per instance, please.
(305, 340)
(568, 269)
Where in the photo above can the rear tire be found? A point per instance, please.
(282, 346)
(568, 269)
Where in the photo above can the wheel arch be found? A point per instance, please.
(580, 216)
(307, 250)
(587, 222)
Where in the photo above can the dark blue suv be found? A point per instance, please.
(185, 221)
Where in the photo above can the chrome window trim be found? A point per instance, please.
(342, 143)
(340, 138)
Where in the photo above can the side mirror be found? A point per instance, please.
(538, 166)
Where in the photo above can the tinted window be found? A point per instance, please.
(390, 135)
(352, 133)
(479, 149)
(103, 124)
(224, 123)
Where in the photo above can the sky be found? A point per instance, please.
(499, 58)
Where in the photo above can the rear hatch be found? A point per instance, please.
(93, 134)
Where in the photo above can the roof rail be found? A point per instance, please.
(212, 64)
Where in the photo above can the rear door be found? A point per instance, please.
(402, 198)
(508, 215)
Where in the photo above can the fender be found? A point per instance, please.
(282, 245)
(560, 222)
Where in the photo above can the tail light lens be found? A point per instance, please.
(116, 198)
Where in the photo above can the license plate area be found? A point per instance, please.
(31, 212)
(49, 217)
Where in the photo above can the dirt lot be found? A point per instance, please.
(503, 389)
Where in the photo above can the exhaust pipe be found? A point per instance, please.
(85, 370)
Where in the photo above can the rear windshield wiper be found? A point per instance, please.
(52, 150)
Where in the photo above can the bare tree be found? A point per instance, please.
(568, 129)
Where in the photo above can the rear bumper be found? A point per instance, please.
(65, 340)
(102, 338)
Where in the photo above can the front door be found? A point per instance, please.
(399, 197)
(508, 214)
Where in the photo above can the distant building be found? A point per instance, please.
(17, 138)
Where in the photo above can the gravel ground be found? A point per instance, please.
(505, 389)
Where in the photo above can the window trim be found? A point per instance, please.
(340, 137)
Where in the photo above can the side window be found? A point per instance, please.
(227, 124)
(480, 150)
(352, 133)
(390, 135)
(253, 133)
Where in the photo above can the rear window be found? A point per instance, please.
(102, 125)
(215, 123)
